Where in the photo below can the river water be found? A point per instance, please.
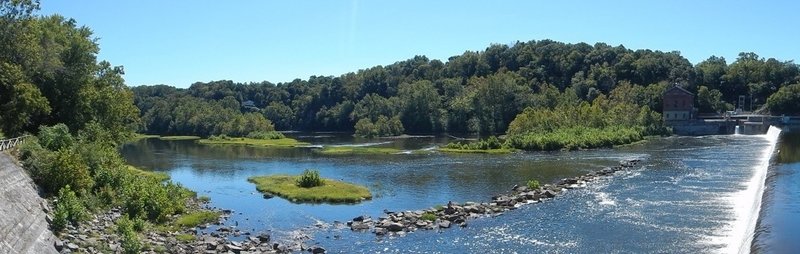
(689, 195)
(778, 230)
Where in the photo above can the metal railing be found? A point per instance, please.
(7, 144)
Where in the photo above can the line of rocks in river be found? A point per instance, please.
(453, 214)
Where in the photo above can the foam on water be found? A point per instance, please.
(747, 203)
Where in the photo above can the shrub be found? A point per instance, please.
(533, 184)
(126, 231)
(68, 209)
(265, 135)
(55, 137)
(309, 178)
(428, 216)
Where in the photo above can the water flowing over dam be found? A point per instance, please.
(748, 201)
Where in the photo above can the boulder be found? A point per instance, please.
(72, 246)
(58, 244)
(395, 227)
(444, 224)
(381, 231)
(317, 250)
(359, 226)
(233, 248)
(548, 194)
(359, 218)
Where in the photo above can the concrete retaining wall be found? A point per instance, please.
(23, 227)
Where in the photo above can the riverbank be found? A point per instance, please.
(353, 150)
(454, 214)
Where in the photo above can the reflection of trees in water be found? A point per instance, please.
(789, 148)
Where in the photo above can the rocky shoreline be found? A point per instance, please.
(457, 215)
(97, 235)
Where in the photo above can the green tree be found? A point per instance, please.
(785, 101)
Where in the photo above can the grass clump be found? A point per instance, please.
(172, 138)
(194, 219)
(428, 216)
(310, 178)
(185, 238)
(331, 191)
(349, 150)
(533, 184)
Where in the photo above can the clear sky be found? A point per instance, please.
(180, 42)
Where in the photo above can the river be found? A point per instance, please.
(779, 225)
(689, 195)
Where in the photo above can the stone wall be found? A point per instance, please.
(23, 227)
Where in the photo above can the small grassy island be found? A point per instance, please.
(491, 145)
(310, 187)
(260, 139)
(352, 150)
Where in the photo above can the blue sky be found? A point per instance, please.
(180, 42)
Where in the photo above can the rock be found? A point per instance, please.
(58, 244)
(359, 226)
(381, 231)
(421, 223)
(72, 246)
(224, 229)
(548, 194)
(395, 227)
(444, 224)
(317, 250)
(268, 196)
(234, 248)
(359, 218)
(264, 238)
(253, 239)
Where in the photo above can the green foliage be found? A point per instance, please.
(486, 144)
(55, 137)
(382, 127)
(428, 216)
(129, 238)
(710, 101)
(785, 101)
(197, 218)
(68, 209)
(332, 191)
(265, 135)
(533, 184)
(310, 178)
(186, 238)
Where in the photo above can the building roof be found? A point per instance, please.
(680, 89)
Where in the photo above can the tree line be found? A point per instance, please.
(475, 92)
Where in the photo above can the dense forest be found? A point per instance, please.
(475, 92)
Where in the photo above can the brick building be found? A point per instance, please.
(678, 104)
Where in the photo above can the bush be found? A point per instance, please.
(309, 178)
(486, 144)
(55, 137)
(68, 209)
(428, 216)
(126, 231)
(265, 135)
(533, 184)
